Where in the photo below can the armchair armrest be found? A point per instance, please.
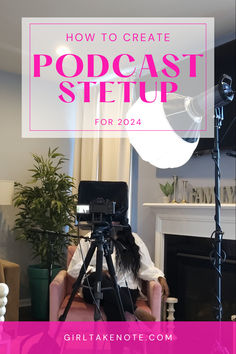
(154, 298)
(10, 274)
(57, 294)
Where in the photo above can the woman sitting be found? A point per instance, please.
(132, 264)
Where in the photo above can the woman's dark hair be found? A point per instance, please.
(127, 252)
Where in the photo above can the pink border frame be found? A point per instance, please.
(107, 23)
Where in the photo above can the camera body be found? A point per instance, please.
(98, 211)
(104, 206)
(102, 202)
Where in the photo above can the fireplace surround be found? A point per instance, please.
(182, 245)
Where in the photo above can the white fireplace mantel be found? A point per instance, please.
(188, 220)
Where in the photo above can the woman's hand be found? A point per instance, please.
(165, 288)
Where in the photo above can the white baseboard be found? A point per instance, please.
(25, 302)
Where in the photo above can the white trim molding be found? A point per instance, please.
(187, 219)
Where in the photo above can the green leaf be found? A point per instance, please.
(167, 188)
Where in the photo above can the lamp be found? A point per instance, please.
(6, 192)
(158, 143)
(161, 142)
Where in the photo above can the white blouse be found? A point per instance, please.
(147, 270)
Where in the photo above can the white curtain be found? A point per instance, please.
(98, 158)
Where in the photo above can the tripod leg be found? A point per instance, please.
(78, 281)
(112, 272)
(98, 295)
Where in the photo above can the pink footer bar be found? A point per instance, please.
(117, 337)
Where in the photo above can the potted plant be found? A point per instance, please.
(46, 203)
(167, 189)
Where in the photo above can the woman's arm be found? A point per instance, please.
(77, 259)
(147, 270)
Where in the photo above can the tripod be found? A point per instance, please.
(101, 244)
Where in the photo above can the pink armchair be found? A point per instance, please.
(60, 290)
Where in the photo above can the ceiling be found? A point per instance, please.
(11, 12)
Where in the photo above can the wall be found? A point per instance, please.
(199, 171)
(15, 159)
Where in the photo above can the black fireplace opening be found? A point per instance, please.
(192, 278)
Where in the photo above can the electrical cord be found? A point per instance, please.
(227, 130)
(214, 252)
(214, 258)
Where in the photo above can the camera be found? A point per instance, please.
(97, 211)
(104, 206)
(102, 202)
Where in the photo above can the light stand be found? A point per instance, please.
(165, 149)
(217, 255)
(223, 96)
